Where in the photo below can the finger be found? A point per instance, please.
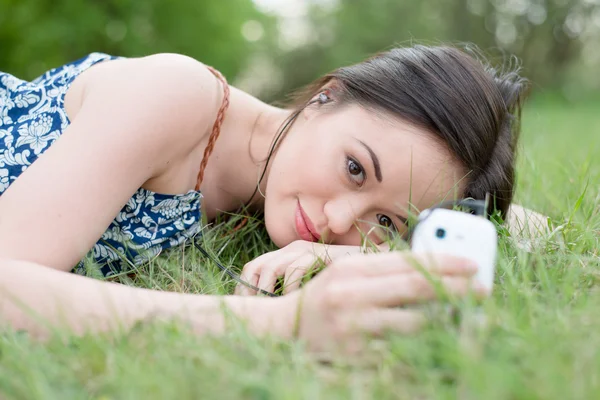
(295, 273)
(293, 277)
(252, 271)
(270, 273)
(243, 290)
(400, 290)
(396, 262)
(403, 262)
(258, 263)
(268, 279)
(378, 321)
(251, 274)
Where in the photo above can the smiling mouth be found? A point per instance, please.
(305, 227)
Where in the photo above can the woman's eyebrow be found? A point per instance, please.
(375, 160)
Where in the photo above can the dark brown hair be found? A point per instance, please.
(456, 95)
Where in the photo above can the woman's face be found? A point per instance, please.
(342, 174)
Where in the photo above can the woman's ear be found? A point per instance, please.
(323, 97)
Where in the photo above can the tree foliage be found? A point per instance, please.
(555, 39)
(39, 34)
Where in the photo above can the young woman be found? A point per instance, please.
(119, 159)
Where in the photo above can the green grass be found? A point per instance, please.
(543, 340)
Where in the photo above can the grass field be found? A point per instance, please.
(543, 342)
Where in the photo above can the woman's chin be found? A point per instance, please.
(278, 236)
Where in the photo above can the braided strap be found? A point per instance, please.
(216, 130)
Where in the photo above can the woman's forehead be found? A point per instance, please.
(419, 183)
(359, 116)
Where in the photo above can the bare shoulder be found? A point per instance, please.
(176, 72)
(159, 94)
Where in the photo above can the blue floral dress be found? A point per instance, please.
(32, 117)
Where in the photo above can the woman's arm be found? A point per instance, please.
(137, 118)
(356, 295)
(38, 300)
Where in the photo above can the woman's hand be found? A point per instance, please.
(291, 262)
(359, 295)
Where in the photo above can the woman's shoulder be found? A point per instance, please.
(159, 109)
(158, 71)
(168, 91)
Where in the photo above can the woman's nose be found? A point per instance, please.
(342, 214)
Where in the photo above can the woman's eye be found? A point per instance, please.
(355, 171)
(386, 221)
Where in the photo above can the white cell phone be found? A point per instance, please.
(461, 234)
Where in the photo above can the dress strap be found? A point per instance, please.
(216, 130)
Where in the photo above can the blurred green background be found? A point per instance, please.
(269, 47)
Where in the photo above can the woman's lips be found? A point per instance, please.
(304, 226)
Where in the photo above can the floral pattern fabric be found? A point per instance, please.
(32, 117)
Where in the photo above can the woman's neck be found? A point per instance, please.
(240, 153)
